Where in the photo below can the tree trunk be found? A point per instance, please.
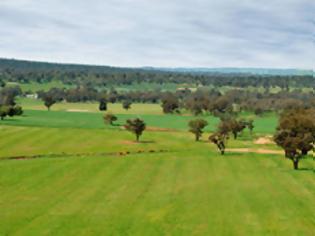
(296, 164)
(235, 135)
(197, 138)
(2, 117)
(222, 151)
(137, 137)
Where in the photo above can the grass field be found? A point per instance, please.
(93, 179)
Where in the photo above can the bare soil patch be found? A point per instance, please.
(77, 110)
(128, 142)
(151, 128)
(250, 150)
(264, 140)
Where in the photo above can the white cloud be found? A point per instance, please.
(194, 33)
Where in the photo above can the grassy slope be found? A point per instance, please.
(263, 125)
(189, 190)
(187, 193)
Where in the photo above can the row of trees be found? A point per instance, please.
(201, 101)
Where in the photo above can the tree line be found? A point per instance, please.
(201, 101)
(105, 76)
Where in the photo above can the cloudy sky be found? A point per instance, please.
(163, 33)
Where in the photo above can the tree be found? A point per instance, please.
(170, 103)
(109, 118)
(49, 100)
(296, 134)
(236, 126)
(126, 104)
(219, 139)
(4, 111)
(103, 104)
(250, 125)
(197, 126)
(136, 126)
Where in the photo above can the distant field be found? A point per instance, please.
(116, 108)
(263, 125)
(34, 87)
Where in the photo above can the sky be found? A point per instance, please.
(161, 33)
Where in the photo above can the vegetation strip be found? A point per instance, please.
(124, 153)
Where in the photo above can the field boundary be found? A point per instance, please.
(89, 154)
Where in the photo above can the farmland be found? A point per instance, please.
(90, 178)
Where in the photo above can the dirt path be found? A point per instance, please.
(252, 150)
(264, 140)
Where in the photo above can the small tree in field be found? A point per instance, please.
(103, 104)
(49, 100)
(126, 104)
(109, 118)
(250, 125)
(4, 111)
(196, 127)
(219, 139)
(296, 134)
(136, 126)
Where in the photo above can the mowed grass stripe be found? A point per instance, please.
(198, 193)
(65, 177)
(86, 120)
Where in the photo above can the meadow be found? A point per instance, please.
(63, 172)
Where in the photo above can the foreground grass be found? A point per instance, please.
(187, 193)
(188, 189)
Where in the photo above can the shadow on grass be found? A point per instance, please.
(9, 120)
(306, 169)
(147, 141)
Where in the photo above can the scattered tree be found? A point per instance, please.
(109, 118)
(136, 126)
(49, 100)
(126, 104)
(296, 134)
(103, 104)
(4, 111)
(197, 126)
(219, 139)
(170, 103)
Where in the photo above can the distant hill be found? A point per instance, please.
(257, 71)
(44, 66)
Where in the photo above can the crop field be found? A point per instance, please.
(66, 173)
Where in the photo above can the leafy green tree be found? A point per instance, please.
(109, 118)
(170, 103)
(219, 139)
(196, 127)
(126, 104)
(296, 134)
(136, 126)
(103, 104)
(4, 111)
(250, 125)
(49, 100)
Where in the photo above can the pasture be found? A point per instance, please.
(69, 174)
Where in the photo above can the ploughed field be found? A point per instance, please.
(66, 173)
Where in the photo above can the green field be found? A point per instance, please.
(66, 173)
